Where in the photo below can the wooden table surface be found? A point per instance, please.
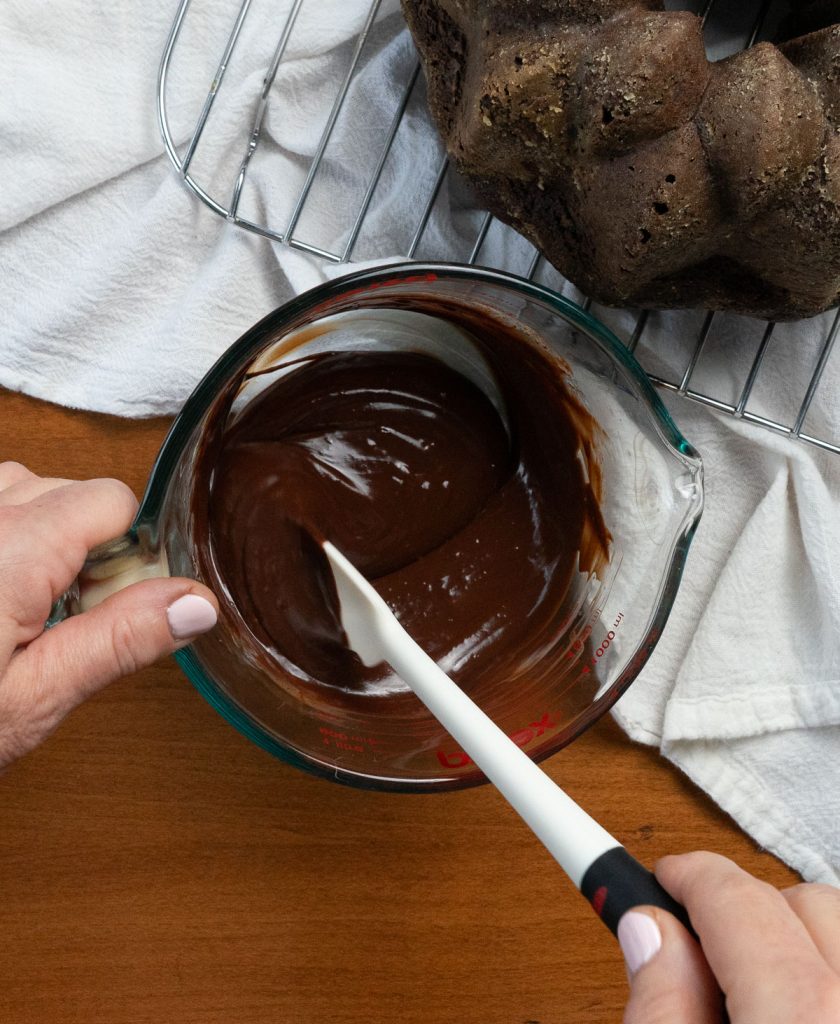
(156, 867)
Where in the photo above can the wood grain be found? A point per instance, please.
(155, 866)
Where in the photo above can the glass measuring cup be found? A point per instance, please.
(651, 500)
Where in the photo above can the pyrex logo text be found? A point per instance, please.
(522, 737)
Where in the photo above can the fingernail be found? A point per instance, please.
(639, 938)
(189, 616)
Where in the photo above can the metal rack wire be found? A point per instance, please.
(285, 226)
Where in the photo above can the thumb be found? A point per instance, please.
(66, 664)
(128, 631)
(669, 977)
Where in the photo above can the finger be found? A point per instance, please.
(27, 490)
(13, 473)
(760, 952)
(818, 908)
(127, 632)
(669, 978)
(89, 511)
(44, 543)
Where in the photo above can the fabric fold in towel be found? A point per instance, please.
(743, 691)
(120, 289)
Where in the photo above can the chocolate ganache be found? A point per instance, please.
(473, 518)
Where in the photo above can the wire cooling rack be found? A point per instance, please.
(774, 376)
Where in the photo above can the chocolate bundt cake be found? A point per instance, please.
(647, 175)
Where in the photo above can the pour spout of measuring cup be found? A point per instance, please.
(111, 567)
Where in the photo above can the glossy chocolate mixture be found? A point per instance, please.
(472, 528)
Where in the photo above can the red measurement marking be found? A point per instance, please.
(599, 651)
(577, 645)
(604, 646)
(522, 737)
(336, 738)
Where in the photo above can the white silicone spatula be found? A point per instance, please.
(597, 863)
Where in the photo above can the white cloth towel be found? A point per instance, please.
(118, 289)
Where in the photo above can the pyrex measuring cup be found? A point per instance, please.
(651, 500)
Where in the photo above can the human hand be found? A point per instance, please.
(47, 528)
(775, 955)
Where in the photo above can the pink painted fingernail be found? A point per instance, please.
(189, 616)
(639, 938)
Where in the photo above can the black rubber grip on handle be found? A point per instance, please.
(615, 882)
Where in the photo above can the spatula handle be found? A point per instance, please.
(616, 882)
